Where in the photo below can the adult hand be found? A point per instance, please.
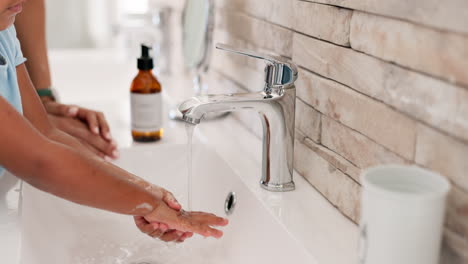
(78, 129)
(95, 121)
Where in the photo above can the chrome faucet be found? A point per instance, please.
(276, 106)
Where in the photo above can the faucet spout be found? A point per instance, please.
(276, 105)
(276, 110)
(195, 108)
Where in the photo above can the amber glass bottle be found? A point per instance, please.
(146, 101)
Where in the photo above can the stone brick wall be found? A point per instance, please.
(380, 82)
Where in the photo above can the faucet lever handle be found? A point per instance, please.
(279, 72)
(250, 53)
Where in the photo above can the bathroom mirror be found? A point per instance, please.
(197, 37)
(198, 23)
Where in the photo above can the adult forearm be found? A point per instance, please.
(31, 31)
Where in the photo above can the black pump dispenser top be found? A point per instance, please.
(145, 62)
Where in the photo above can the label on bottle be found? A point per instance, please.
(146, 112)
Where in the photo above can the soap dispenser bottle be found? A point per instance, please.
(146, 101)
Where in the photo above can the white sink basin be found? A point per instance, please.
(57, 231)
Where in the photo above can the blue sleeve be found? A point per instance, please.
(18, 54)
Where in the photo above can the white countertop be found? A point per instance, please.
(101, 79)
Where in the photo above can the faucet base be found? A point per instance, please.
(285, 187)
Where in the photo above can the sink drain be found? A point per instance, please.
(230, 203)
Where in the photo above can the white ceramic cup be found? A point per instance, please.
(403, 209)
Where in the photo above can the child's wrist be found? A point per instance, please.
(146, 208)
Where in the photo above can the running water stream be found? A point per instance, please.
(189, 128)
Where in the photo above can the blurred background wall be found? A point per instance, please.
(95, 23)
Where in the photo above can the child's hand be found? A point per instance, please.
(164, 195)
(170, 214)
(161, 231)
(188, 222)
